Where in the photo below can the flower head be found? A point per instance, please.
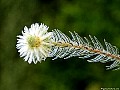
(35, 43)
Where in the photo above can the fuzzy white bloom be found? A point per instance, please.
(35, 43)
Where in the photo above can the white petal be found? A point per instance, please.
(43, 52)
(46, 35)
(27, 56)
(31, 57)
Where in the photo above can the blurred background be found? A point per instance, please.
(100, 18)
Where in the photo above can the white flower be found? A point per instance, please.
(35, 43)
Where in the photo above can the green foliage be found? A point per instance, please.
(100, 18)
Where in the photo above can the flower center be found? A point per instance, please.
(34, 41)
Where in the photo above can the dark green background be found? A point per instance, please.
(100, 18)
